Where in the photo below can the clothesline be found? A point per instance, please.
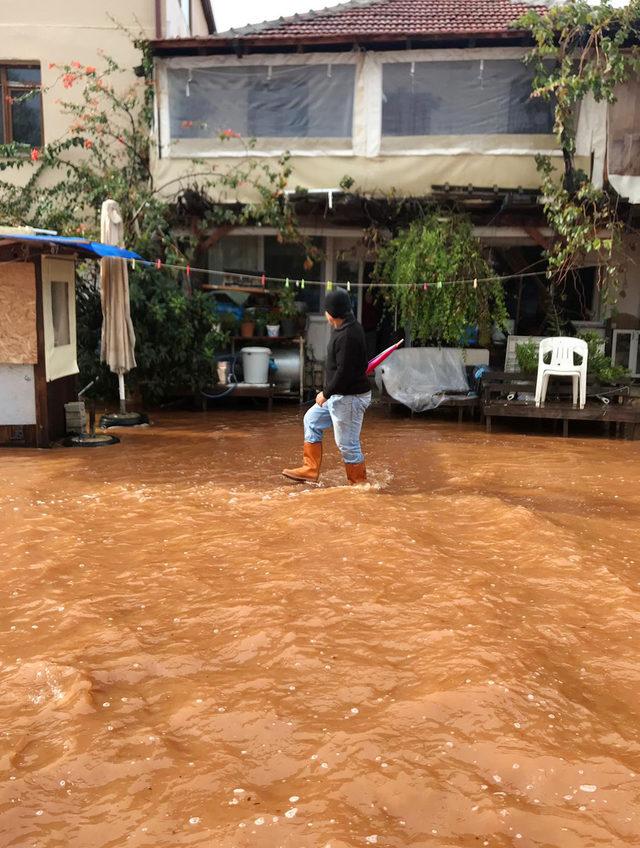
(289, 282)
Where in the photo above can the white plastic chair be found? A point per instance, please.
(563, 351)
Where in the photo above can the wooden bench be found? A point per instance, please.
(500, 400)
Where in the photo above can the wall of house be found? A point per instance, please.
(628, 307)
(364, 115)
(76, 30)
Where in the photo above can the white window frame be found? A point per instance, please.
(634, 342)
(367, 107)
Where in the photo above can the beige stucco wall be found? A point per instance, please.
(54, 32)
(412, 175)
(18, 344)
(628, 306)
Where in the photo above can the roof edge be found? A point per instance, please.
(209, 17)
(311, 15)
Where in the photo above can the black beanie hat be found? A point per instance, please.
(338, 304)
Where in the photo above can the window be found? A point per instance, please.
(185, 6)
(306, 101)
(287, 260)
(60, 313)
(21, 105)
(479, 97)
(236, 255)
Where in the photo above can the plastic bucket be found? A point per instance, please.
(255, 365)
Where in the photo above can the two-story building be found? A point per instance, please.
(421, 99)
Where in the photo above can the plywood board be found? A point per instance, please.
(18, 345)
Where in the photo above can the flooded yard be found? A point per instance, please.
(194, 652)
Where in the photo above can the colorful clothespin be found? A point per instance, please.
(425, 286)
(133, 264)
(188, 272)
(329, 285)
(286, 283)
(475, 283)
(439, 284)
(348, 285)
(301, 284)
(158, 264)
(263, 280)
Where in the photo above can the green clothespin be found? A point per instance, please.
(439, 284)
(301, 284)
(286, 283)
(348, 285)
(329, 285)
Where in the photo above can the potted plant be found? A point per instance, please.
(248, 324)
(273, 324)
(288, 312)
(261, 322)
(229, 323)
(527, 357)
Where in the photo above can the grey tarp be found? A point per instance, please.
(423, 377)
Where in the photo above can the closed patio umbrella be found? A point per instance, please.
(118, 336)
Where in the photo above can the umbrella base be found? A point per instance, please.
(90, 440)
(123, 419)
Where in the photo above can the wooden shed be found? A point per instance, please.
(38, 358)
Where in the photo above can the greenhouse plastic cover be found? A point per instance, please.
(424, 377)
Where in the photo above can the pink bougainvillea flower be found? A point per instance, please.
(88, 143)
(68, 80)
(76, 64)
(186, 124)
(52, 65)
(89, 69)
(9, 99)
(35, 154)
(229, 134)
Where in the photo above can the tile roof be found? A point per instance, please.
(393, 18)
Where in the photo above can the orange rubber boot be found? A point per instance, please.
(309, 472)
(356, 473)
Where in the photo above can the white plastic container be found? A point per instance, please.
(255, 365)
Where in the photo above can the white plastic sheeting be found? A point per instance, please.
(452, 97)
(266, 102)
(423, 377)
(448, 102)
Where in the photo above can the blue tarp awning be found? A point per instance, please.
(93, 249)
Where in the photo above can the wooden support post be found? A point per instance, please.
(565, 427)
(487, 422)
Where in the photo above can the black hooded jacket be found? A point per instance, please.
(346, 362)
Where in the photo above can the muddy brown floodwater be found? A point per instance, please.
(196, 653)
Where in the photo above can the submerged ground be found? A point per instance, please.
(194, 652)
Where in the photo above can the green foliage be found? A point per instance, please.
(286, 303)
(600, 366)
(580, 50)
(527, 357)
(434, 251)
(106, 154)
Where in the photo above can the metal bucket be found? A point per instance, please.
(288, 368)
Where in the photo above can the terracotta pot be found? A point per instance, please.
(247, 329)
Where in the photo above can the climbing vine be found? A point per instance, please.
(581, 50)
(418, 263)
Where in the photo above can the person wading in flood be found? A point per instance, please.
(344, 398)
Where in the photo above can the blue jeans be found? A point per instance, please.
(346, 414)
